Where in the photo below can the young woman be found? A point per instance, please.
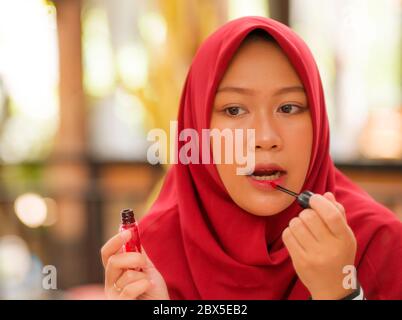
(214, 234)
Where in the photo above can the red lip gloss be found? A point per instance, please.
(128, 223)
(303, 198)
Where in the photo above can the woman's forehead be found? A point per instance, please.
(259, 62)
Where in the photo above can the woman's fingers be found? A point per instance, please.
(331, 197)
(128, 277)
(118, 263)
(315, 224)
(329, 214)
(293, 246)
(302, 234)
(135, 289)
(149, 262)
(114, 245)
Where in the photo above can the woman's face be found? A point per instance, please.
(260, 90)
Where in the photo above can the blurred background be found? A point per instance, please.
(82, 82)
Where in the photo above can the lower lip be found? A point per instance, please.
(266, 184)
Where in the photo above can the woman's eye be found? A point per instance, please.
(234, 111)
(287, 108)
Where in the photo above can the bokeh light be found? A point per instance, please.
(51, 212)
(99, 75)
(28, 68)
(15, 260)
(153, 28)
(132, 65)
(31, 209)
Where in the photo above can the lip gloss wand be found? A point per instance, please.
(303, 198)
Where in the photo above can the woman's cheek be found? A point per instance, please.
(298, 140)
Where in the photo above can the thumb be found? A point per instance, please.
(149, 262)
(152, 271)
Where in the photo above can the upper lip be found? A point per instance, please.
(267, 167)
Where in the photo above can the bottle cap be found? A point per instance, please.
(127, 216)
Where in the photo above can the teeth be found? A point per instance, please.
(267, 178)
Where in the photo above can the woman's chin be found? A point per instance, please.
(266, 211)
(263, 213)
(267, 207)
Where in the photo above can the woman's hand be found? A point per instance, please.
(321, 244)
(121, 281)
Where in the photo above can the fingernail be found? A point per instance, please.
(126, 235)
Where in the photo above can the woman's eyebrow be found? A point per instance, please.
(247, 91)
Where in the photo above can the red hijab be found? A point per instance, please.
(206, 247)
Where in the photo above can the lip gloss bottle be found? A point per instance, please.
(128, 223)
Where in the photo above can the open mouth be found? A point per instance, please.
(267, 175)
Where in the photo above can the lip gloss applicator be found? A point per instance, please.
(303, 198)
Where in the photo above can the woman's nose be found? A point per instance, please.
(267, 136)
